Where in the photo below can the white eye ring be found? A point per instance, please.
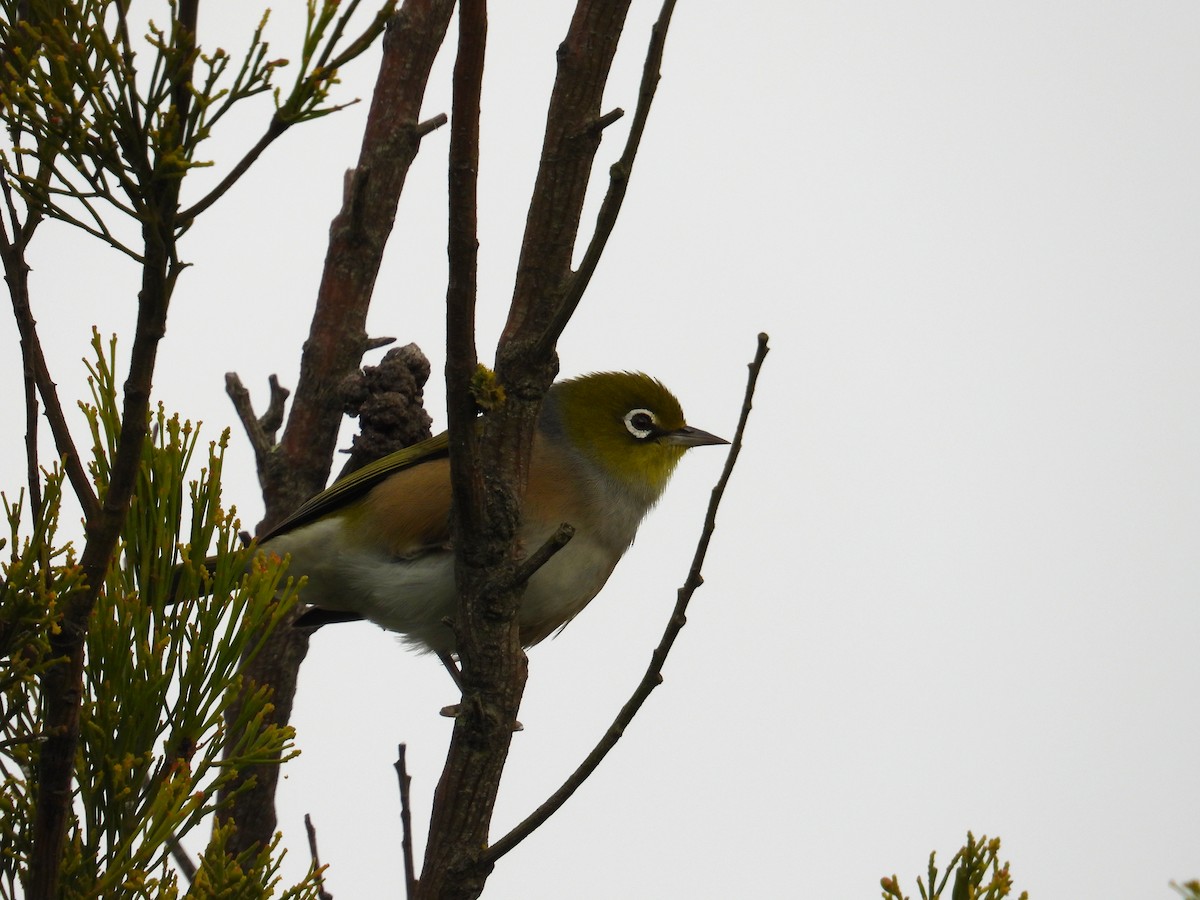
(637, 424)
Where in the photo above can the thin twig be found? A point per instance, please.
(187, 866)
(542, 555)
(16, 271)
(311, 830)
(12, 251)
(280, 121)
(524, 571)
(275, 128)
(406, 844)
(62, 685)
(448, 663)
(618, 174)
(259, 431)
(653, 675)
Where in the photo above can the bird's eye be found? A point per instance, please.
(641, 423)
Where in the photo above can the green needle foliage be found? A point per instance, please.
(978, 875)
(104, 118)
(162, 672)
(99, 121)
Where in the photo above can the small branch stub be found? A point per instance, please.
(424, 128)
(607, 119)
(561, 537)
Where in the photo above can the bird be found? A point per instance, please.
(376, 544)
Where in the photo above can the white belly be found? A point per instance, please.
(413, 597)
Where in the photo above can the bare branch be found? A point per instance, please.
(487, 515)
(187, 865)
(568, 155)
(358, 236)
(272, 419)
(259, 431)
(458, 825)
(299, 466)
(463, 256)
(433, 124)
(376, 342)
(17, 275)
(406, 843)
(653, 675)
(16, 272)
(448, 663)
(31, 432)
(619, 174)
(311, 831)
(275, 128)
(609, 118)
(62, 684)
(561, 537)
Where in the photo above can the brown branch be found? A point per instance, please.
(463, 255)
(276, 127)
(242, 405)
(62, 685)
(33, 360)
(618, 174)
(311, 831)
(406, 843)
(260, 431)
(466, 792)
(463, 260)
(487, 513)
(358, 235)
(184, 862)
(16, 269)
(530, 564)
(32, 473)
(357, 46)
(536, 316)
(653, 675)
(520, 576)
(609, 118)
(272, 419)
(299, 466)
(187, 12)
(376, 343)
(433, 124)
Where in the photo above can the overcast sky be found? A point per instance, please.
(956, 580)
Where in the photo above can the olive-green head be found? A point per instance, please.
(626, 423)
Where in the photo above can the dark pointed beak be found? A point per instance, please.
(687, 436)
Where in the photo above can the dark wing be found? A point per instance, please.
(359, 482)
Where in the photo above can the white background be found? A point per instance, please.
(955, 582)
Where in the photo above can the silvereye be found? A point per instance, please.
(376, 544)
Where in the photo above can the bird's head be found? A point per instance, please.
(627, 424)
